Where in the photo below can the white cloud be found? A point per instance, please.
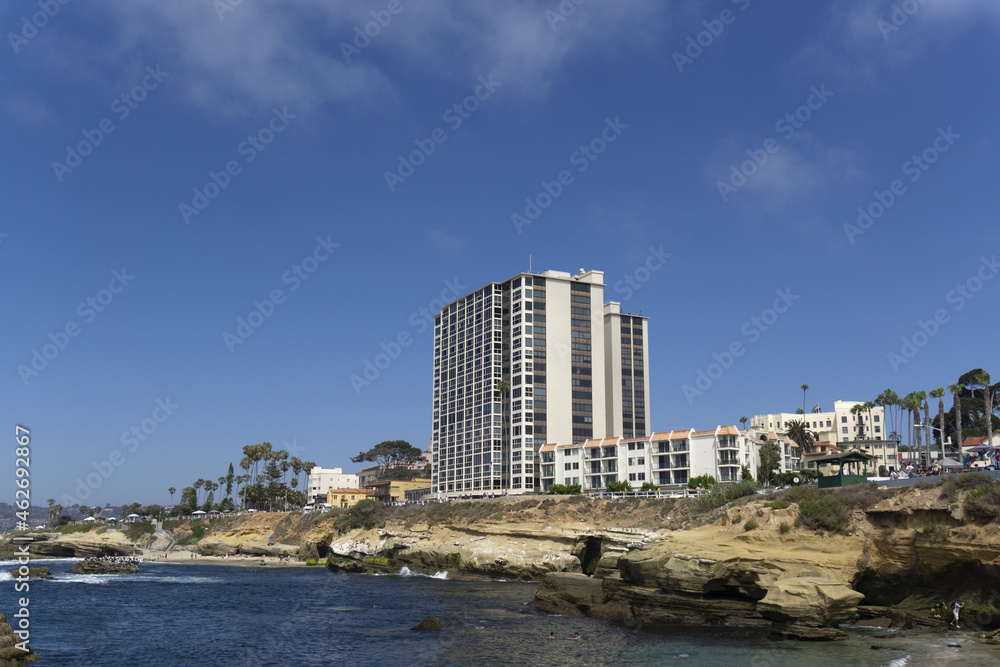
(800, 168)
(289, 51)
(445, 241)
(865, 36)
(27, 109)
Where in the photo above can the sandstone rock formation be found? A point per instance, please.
(33, 573)
(10, 654)
(104, 567)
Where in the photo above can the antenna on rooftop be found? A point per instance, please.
(529, 263)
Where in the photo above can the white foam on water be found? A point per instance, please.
(147, 578)
(87, 578)
(407, 572)
(899, 662)
(5, 576)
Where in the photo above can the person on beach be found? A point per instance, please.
(956, 608)
(552, 635)
(936, 609)
(575, 635)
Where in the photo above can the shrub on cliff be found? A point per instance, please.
(565, 489)
(725, 493)
(823, 512)
(701, 481)
(982, 503)
(366, 514)
(135, 530)
(970, 480)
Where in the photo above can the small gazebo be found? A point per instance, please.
(856, 472)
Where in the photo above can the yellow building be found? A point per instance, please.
(394, 490)
(345, 497)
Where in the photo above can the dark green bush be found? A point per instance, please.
(780, 504)
(825, 512)
(751, 524)
(703, 481)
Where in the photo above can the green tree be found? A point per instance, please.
(745, 474)
(389, 454)
(171, 491)
(703, 481)
(743, 422)
(805, 387)
(189, 499)
(798, 432)
(982, 380)
(230, 476)
(619, 487)
(647, 486)
(939, 395)
(889, 401)
(956, 390)
(770, 460)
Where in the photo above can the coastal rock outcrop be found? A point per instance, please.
(33, 573)
(10, 654)
(98, 566)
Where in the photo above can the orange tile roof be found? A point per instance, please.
(975, 441)
(728, 430)
(551, 447)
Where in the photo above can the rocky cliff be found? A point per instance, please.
(752, 563)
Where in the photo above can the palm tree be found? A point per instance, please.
(983, 380)
(799, 433)
(956, 390)
(939, 395)
(927, 426)
(743, 423)
(908, 404)
(804, 388)
(171, 491)
(83, 509)
(889, 401)
(858, 410)
(197, 486)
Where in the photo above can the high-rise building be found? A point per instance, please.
(531, 360)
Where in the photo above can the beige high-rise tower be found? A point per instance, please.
(531, 360)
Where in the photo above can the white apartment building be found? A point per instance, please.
(664, 458)
(835, 427)
(842, 428)
(531, 360)
(322, 480)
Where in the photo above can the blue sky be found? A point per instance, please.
(203, 151)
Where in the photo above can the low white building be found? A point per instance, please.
(836, 427)
(322, 480)
(663, 458)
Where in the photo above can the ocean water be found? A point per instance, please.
(184, 614)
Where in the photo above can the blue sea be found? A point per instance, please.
(188, 614)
